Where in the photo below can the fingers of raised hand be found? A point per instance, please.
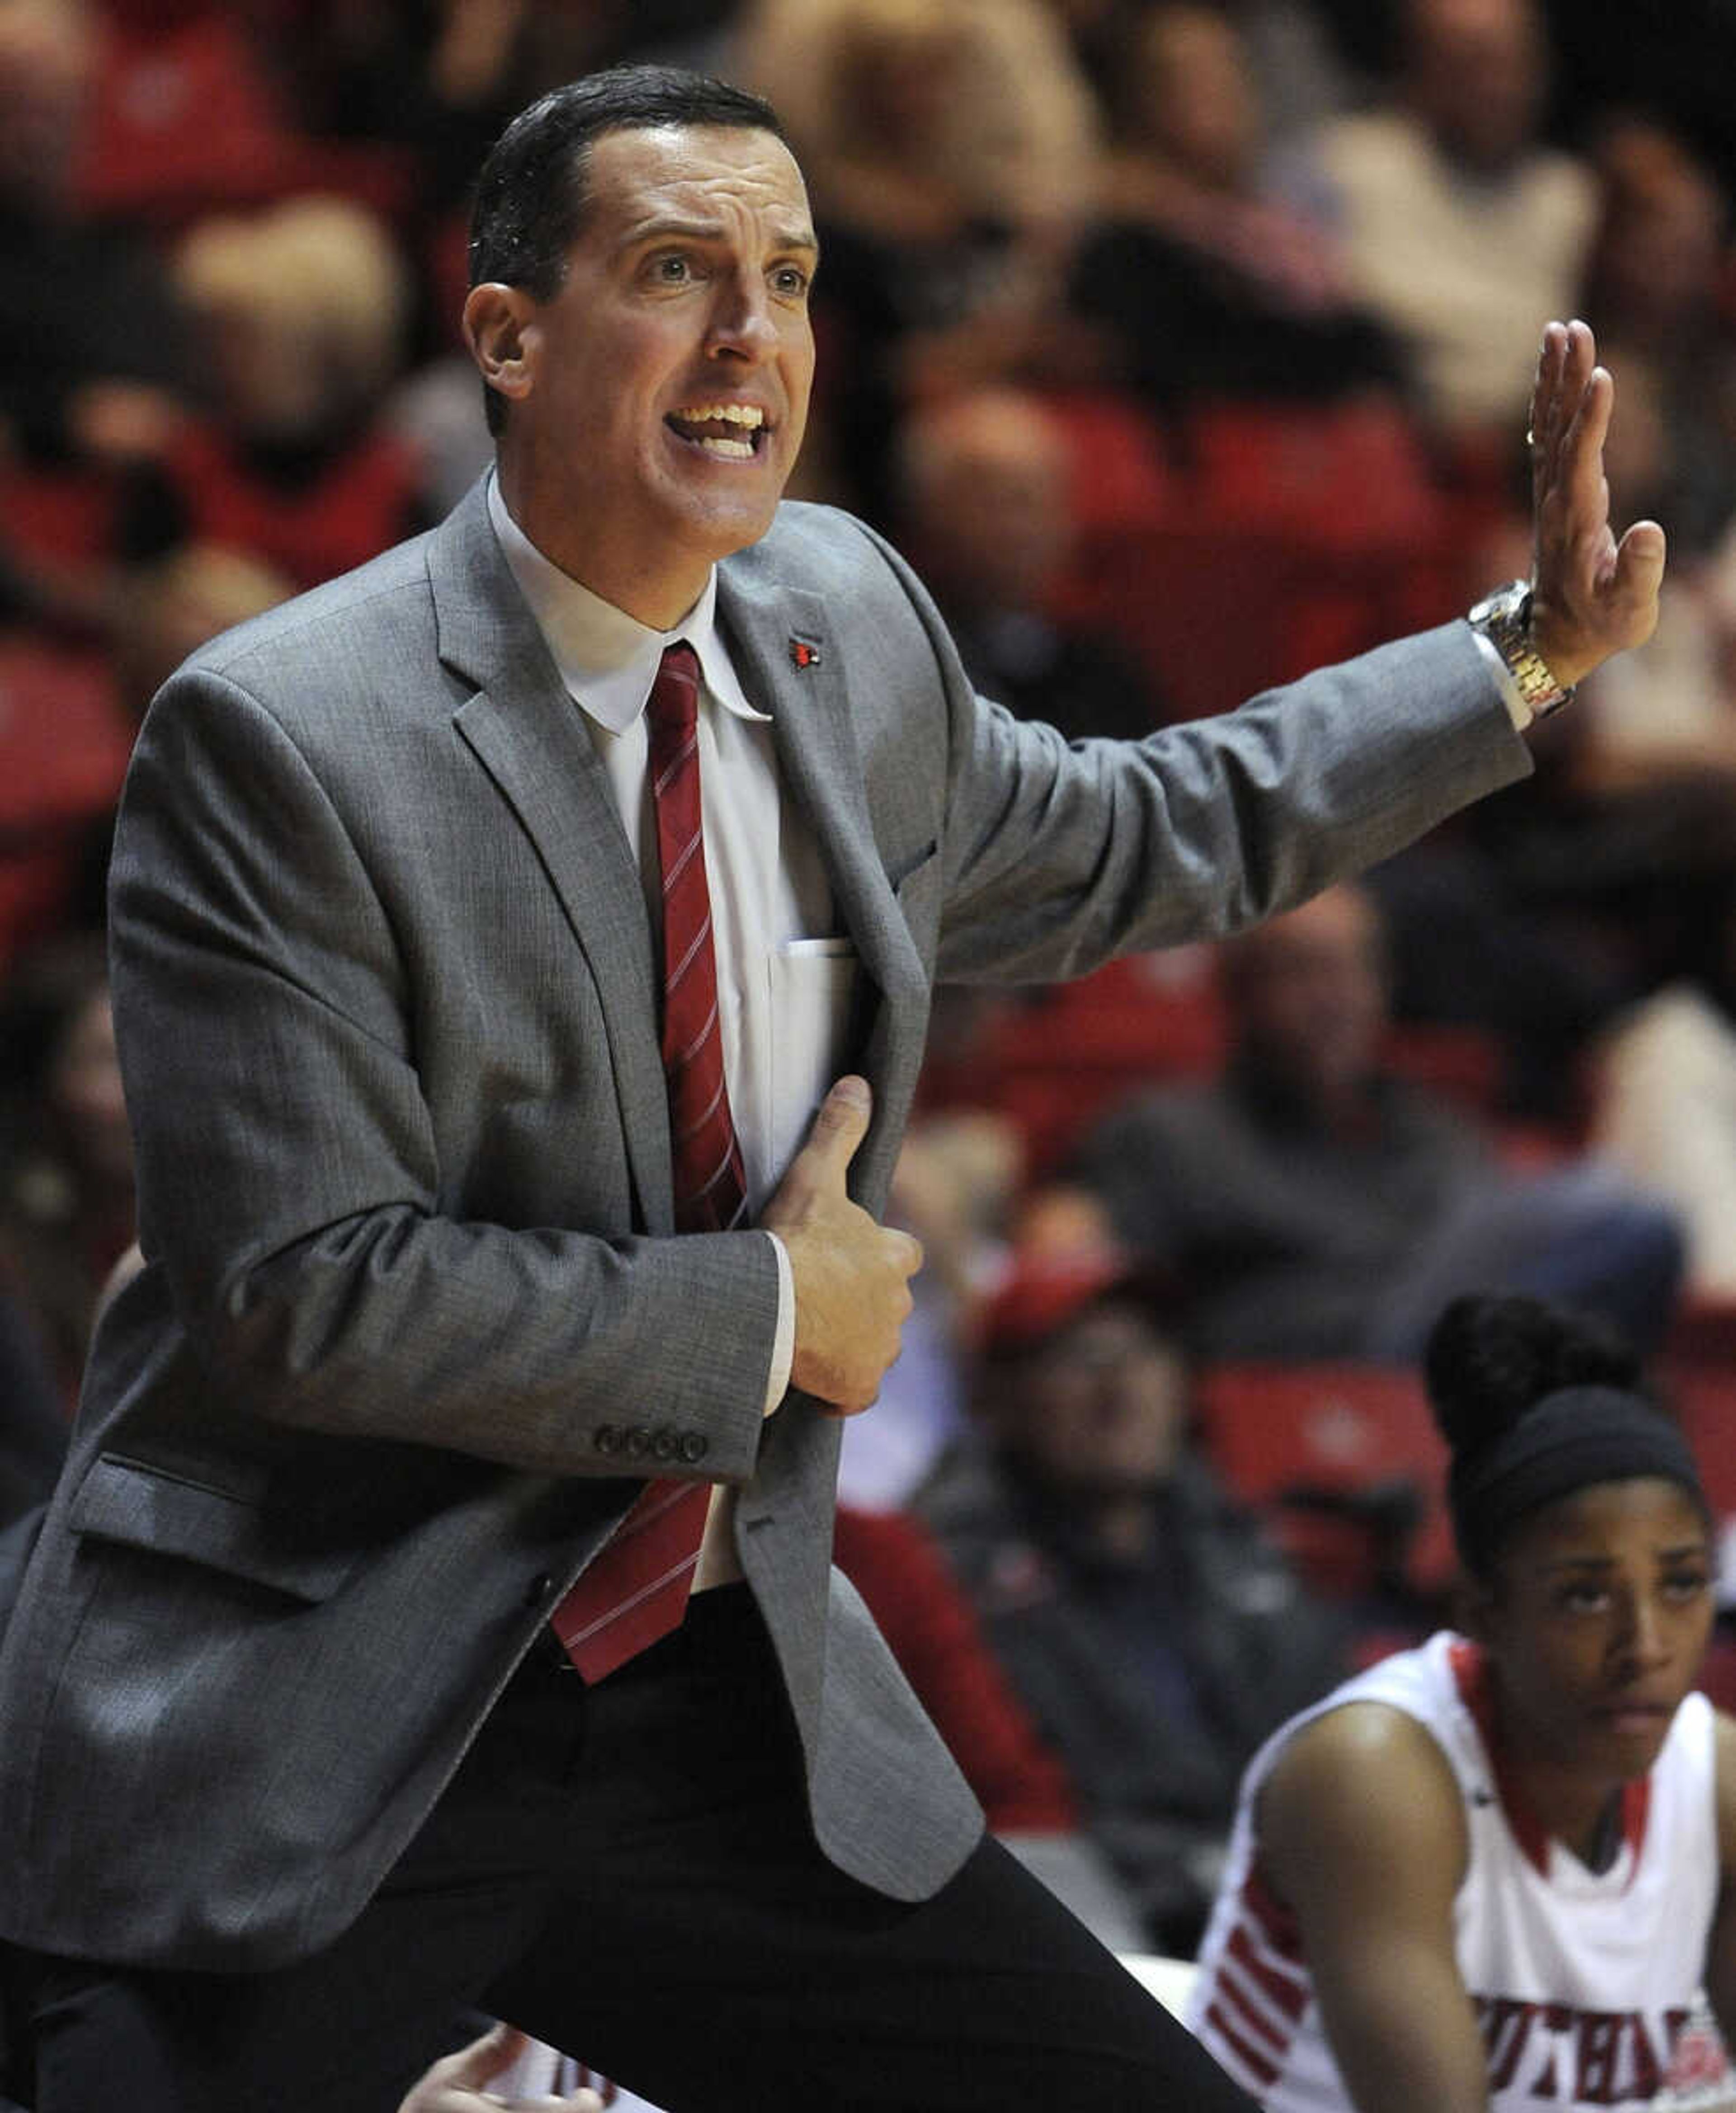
(1545, 397)
(1565, 365)
(1582, 478)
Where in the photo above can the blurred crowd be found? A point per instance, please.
(1182, 344)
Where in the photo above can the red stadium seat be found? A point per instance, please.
(64, 742)
(1220, 610)
(1121, 478)
(1704, 1397)
(1051, 1065)
(1455, 1062)
(1702, 1335)
(1347, 476)
(186, 118)
(1345, 1462)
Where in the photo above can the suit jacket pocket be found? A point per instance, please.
(142, 1507)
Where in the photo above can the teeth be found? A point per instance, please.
(735, 414)
(741, 450)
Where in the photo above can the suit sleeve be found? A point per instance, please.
(292, 1192)
(1060, 855)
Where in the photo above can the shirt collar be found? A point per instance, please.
(608, 659)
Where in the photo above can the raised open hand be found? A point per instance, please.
(1592, 596)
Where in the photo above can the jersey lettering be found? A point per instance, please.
(1609, 2054)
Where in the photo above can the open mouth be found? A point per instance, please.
(731, 433)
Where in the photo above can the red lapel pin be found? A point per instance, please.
(803, 654)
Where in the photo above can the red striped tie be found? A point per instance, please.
(636, 1589)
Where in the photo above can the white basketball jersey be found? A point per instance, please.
(1585, 1984)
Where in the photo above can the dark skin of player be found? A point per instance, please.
(1595, 1623)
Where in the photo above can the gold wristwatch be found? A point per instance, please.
(1503, 617)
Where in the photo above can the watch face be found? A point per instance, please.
(1506, 601)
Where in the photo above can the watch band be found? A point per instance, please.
(1503, 617)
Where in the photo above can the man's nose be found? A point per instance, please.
(742, 324)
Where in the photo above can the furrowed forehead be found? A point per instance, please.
(696, 172)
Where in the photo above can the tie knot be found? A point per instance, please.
(674, 704)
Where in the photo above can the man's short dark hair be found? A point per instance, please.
(531, 192)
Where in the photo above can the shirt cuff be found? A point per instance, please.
(783, 1344)
(1518, 710)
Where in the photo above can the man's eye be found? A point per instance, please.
(671, 270)
(1585, 1599)
(790, 279)
(1686, 1585)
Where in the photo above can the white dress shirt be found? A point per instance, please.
(784, 981)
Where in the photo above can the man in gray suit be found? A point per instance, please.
(293, 1769)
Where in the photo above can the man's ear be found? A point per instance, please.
(499, 330)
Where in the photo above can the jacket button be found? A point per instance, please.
(606, 1437)
(538, 1590)
(638, 1441)
(694, 1445)
(662, 1443)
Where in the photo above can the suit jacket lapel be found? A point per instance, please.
(530, 737)
(822, 770)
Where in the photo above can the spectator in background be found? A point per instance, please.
(1554, 909)
(177, 603)
(1322, 1206)
(1461, 230)
(442, 76)
(1667, 726)
(304, 310)
(1628, 840)
(1203, 279)
(1655, 294)
(918, 117)
(1027, 1793)
(950, 150)
(987, 514)
(1657, 275)
(1664, 1101)
(164, 609)
(95, 368)
(1139, 1614)
(953, 1187)
(111, 386)
(66, 1201)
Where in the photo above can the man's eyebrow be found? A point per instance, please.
(795, 235)
(792, 236)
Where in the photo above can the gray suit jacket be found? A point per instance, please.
(385, 994)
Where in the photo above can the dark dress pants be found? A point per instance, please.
(628, 1871)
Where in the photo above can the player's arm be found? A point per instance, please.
(1362, 1835)
(1720, 1948)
